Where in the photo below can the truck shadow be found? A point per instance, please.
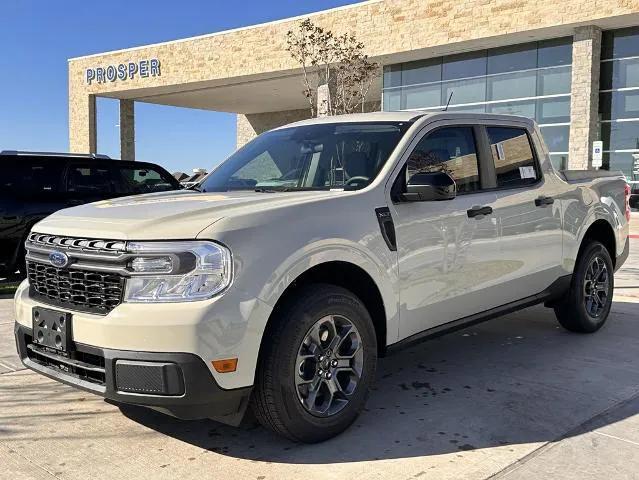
(519, 379)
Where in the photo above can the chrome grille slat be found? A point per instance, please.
(80, 244)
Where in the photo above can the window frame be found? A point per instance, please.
(491, 161)
(481, 148)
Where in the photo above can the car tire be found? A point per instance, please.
(317, 364)
(586, 307)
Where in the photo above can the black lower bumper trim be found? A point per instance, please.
(184, 386)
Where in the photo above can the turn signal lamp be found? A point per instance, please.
(225, 366)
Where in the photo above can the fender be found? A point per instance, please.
(330, 250)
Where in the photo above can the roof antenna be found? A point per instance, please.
(450, 97)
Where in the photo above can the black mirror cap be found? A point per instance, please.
(429, 186)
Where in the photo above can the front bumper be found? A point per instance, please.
(181, 383)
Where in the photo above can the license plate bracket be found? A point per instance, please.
(51, 328)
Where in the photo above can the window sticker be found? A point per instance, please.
(527, 172)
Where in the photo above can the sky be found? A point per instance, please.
(38, 36)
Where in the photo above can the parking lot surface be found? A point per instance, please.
(516, 397)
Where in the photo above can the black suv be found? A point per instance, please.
(34, 185)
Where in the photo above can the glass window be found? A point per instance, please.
(392, 100)
(89, 179)
(512, 85)
(553, 110)
(526, 108)
(310, 157)
(464, 91)
(553, 81)
(464, 65)
(469, 109)
(12, 178)
(424, 71)
(422, 96)
(42, 176)
(451, 150)
(393, 75)
(513, 156)
(556, 137)
(620, 73)
(559, 161)
(621, 161)
(620, 43)
(512, 58)
(614, 105)
(620, 135)
(554, 52)
(140, 180)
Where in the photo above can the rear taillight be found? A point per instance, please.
(627, 192)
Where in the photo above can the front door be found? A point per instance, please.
(448, 254)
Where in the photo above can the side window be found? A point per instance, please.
(513, 156)
(129, 181)
(42, 177)
(12, 176)
(89, 179)
(452, 150)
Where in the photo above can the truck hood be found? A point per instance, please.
(167, 215)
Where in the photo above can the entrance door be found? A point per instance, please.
(448, 255)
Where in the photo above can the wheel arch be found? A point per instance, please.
(342, 274)
(601, 231)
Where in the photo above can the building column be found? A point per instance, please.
(82, 123)
(127, 130)
(584, 103)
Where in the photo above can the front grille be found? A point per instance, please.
(82, 290)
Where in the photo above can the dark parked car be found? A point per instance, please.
(34, 185)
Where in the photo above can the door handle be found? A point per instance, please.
(476, 211)
(543, 201)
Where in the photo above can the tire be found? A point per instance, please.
(291, 395)
(585, 310)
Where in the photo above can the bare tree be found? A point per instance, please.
(336, 61)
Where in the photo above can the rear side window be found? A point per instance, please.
(41, 176)
(513, 156)
(11, 177)
(451, 150)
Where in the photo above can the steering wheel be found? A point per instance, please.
(356, 179)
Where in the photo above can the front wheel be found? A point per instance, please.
(317, 365)
(587, 305)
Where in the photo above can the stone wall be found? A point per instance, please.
(584, 102)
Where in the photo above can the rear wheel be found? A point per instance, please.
(587, 305)
(317, 365)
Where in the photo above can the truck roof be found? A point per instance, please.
(406, 116)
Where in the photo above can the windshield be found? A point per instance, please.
(310, 157)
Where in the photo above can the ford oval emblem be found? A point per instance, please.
(58, 259)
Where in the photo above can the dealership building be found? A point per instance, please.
(572, 65)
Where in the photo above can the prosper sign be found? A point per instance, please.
(124, 71)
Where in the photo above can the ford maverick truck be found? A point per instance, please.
(277, 282)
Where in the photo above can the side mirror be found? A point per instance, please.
(427, 186)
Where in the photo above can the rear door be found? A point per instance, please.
(528, 216)
(448, 256)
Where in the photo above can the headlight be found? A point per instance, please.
(177, 271)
